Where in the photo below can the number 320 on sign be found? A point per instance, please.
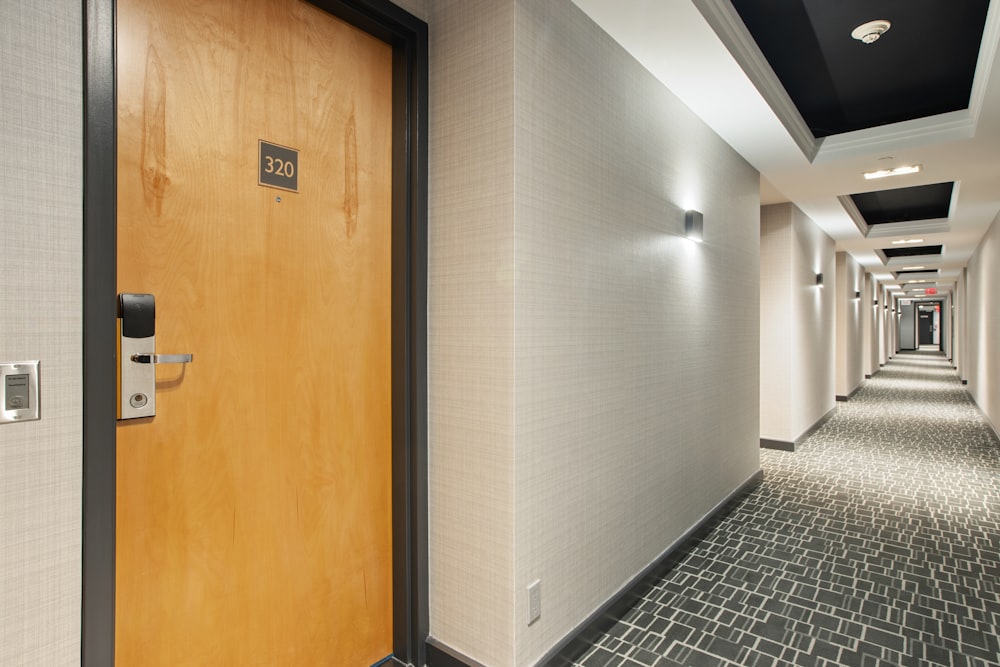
(278, 167)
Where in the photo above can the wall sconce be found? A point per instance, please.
(819, 279)
(857, 295)
(694, 224)
(876, 302)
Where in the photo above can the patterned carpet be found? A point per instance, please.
(876, 543)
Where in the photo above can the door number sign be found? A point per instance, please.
(278, 167)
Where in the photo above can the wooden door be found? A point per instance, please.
(254, 510)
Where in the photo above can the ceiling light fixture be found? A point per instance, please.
(895, 171)
(904, 241)
(871, 31)
(912, 268)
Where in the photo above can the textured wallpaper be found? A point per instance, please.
(582, 351)
(471, 327)
(960, 353)
(636, 349)
(850, 356)
(983, 308)
(798, 323)
(777, 345)
(40, 302)
(814, 322)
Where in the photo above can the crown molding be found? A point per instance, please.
(728, 25)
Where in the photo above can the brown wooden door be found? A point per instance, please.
(253, 512)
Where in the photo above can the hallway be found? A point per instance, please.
(876, 543)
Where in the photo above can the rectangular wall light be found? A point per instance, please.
(819, 279)
(694, 223)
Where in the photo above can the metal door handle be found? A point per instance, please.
(162, 358)
(137, 356)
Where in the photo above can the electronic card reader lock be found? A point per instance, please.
(137, 356)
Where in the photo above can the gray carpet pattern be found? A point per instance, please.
(876, 543)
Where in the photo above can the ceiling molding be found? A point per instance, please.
(727, 24)
(854, 214)
(952, 126)
(909, 228)
(906, 261)
(984, 66)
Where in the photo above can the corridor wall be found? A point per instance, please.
(797, 326)
(961, 325)
(850, 312)
(983, 320)
(593, 374)
(41, 111)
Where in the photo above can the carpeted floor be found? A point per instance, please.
(876, 543)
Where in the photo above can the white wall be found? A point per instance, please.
(850, 334)
(798, 324)
(622, 369)
(40, 212)
(471, 327)
(983, 310)
(576, 373)
(961, 325)
(871, 325)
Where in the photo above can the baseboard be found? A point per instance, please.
(844, 399)
(583, 636)
(786, 446)
(989, 422)
(781, 445)
(442, 655)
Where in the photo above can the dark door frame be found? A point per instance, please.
(408, 37)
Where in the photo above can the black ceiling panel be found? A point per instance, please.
(921, 202)
(924, 271)
(922, 66)
(913, 251)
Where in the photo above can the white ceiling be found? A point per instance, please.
(675, 41)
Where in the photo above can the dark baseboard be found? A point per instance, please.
(582, 638)
(441, 655)
(782, 445)
(786, 446)
(844, 399)
(994, 431)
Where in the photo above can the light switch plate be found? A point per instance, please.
(19, 396)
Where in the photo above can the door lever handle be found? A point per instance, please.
(162, 358)
(137, 356)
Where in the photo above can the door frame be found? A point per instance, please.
(408, 37)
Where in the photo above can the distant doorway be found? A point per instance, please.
(925, 328)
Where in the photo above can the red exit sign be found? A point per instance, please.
(931, 290)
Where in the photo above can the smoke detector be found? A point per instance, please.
(871, 31)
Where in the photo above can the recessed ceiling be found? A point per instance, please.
(919, 202)
(921, 272)
(704, 53)
(912, 251)
(923, 65)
